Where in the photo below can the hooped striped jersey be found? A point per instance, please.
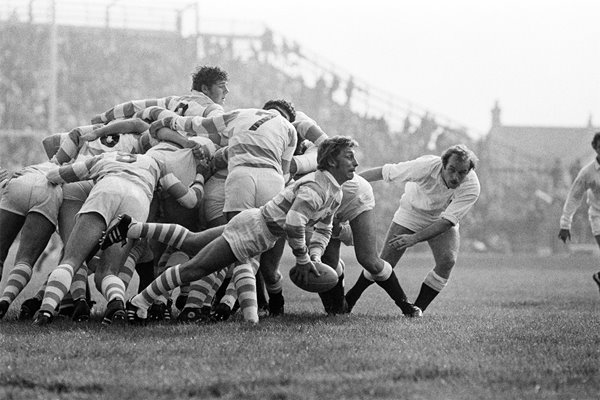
(309, 202)
(256, 138)
(139, 169)
(64, 148)
(308, 129)
(196, 103)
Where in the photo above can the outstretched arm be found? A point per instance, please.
(373, 174)
(128, 109)
(134, 125)
(212, 128)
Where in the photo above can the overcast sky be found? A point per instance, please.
(539, 59)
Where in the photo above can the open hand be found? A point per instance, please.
(403, 241)
(302, 271)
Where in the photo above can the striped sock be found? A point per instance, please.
(127, 270)
(199, 291)
(18, 278)
(245, 285)
(167, 281)
(58, 284)
(230, 296)
(171, 234)
(219, 278)
(79, 284)
(113, 288)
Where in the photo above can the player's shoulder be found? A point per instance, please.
(357, 184)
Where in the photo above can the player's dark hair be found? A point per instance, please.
(331, 148)
(462, 152)
(207, 75)
(283, 106)
(595, 139)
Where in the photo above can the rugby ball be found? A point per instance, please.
(316, 284)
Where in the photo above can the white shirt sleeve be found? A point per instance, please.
(465, 196)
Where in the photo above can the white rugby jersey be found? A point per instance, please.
(310, 201)
(587, 181)
(426, 192)
(357, 196)
(196, 103)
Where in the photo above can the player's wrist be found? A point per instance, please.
(303, 259)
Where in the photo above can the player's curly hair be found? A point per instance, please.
(462, 152)
(595, 140)
(283, 106)
(207, 75)
(330, 148)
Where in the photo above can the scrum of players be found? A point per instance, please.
(194, 198)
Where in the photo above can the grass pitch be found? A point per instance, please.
(506, 327)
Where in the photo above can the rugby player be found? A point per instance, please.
(586, 182)
(311, 201)
(439, 192)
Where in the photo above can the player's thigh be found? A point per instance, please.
(365, 237)
(331, 255)
(74, 195)
(444, 248)
(10, 225)
(66, 217)
(35, 235)
(269, 262)
(214, 200)
(388, 253)
(84, 238)
(213, 257)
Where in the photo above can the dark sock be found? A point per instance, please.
(261, 296)
(145, 271)
(221, 291)
(276, 303)
(357, 290)
(333, 299)
(426, 296)
(393, 289)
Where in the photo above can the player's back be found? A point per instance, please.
(260, 139)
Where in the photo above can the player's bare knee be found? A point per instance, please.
(444, 267)
(271, 276)
(369, 261)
